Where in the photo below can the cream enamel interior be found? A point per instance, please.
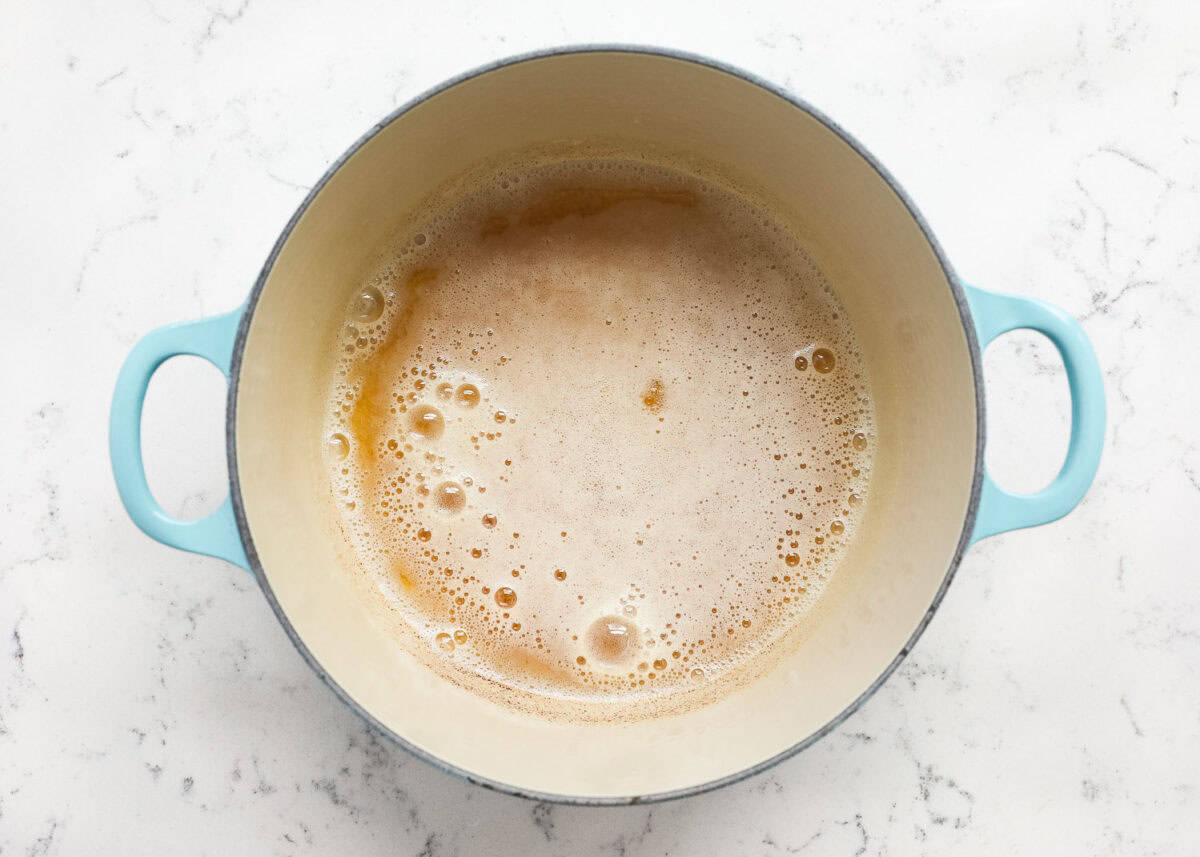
(859, 233)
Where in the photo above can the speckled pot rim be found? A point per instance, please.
(235, 492)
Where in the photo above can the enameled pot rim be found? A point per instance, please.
(968, 520)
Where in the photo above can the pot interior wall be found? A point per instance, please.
(858, 231)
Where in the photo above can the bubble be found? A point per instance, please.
(859, 441)
(424, 535)
(460, 636)
(489, 520)
(801, 362)
(476, 553)
(467, 395)
(697, 673)
(449, 497)
(368, 305)
(822, 360)
(339, 445)
(499, 416)
(559, 574)
(506, 596)
(854, 500)
(427, 421)
(660, 664)
(629, 610)
(419, 239)
(445, 391)
(792, 559)
(611, 639)
(654, 395)
(444, 642)
(837, 528)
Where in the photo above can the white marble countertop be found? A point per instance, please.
(151, 704)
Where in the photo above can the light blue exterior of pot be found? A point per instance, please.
(986, 315)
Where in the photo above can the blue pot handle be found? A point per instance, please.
(1000, 510)
(211, 338)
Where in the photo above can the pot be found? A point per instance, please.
(921, 331)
